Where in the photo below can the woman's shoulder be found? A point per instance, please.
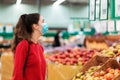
(23, 43)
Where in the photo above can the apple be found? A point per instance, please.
(96, 74)
(52, 58)
(102, 73)
(62, 56)
(108, 69)
(61, 53)
(117, 72)
(71, 55)
(109, 76)
(68, 63)
(69, 50)
(77, 56)
(111, 71)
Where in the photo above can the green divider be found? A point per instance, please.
(7, 35)
(50, 34)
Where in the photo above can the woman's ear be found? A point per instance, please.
(35, 26)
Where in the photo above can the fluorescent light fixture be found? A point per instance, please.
(58, 2)
(18, 1)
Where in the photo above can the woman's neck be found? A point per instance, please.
(35, 37)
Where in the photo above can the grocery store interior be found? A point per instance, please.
(82, 43)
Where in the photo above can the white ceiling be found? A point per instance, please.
(78, 1)
(43, 1)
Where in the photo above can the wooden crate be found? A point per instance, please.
(7, 66)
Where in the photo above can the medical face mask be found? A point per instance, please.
(44, 28)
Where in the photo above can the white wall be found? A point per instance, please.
(60, 15)
(55, 16)
(11, 13)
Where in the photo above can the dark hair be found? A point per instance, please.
(23, 29)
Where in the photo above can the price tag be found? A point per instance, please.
(111, 26)
(118, 25)
(103, 26)
(97, 26)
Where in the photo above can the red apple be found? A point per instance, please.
(109, 76)
(68, 63)
(96, 74)
(71, 55)
(108, 69)
(77, 56)
(67, 59)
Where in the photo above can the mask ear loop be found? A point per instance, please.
(118, 60)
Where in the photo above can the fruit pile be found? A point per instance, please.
(112, 51)
(109, 74)
(96, 45)
(75, 56)
(87, 74)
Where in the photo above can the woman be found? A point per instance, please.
(29, 61)
(57, 39)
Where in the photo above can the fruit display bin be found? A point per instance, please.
(61, 72)
(110, 70)
(65, 64)
(95, 61)
(112, 67)
(93, 64)
(7, 65)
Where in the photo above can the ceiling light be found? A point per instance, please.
(58, 2)
(18, 2)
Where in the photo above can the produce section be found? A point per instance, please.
(75, 56)
(82, 42)
(68, 61)
(87, 70)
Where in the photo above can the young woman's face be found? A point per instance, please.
(38, 27)
(40, 22)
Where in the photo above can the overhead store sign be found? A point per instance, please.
(92, 9)
(104, 9)
(117, 8)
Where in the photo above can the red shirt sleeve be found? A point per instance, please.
(19, 60)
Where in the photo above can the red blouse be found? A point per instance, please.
(36, 64)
